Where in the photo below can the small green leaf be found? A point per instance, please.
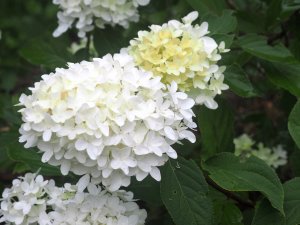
(266, 214)
(251, 174)
(290, 6)
(294, 123)
(257, 46)
(211, 6)
(81, 54)
(216, 127)
(227, 38)
(292, 201)
(238, 81)
(30, 157)
(284, 75)
(184, 193)
(226, 213)
(273, 12)
(108, 41)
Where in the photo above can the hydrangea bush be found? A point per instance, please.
(139, 112)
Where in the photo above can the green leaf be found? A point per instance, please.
(224, 24)
(29, 157)
(250, 22)
(184, 193)
(284, 75)
(294, 123)
(273, 12)
(226, 213)
(147, 190)
(211, 6)
(81, 54)
(290, 6)
(51, 54)
(108, 41)
(257, 45)
(216, 127)
(292, 201)
(252, 174)
(294, 162)
(266, 214)
(227, 38)
(239, 82)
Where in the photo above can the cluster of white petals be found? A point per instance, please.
(106, 118)
(184, 53)
(89, 13)
(274, 157)
(31, 200)
(24, 202)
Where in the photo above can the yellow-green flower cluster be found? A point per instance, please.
(181, 52)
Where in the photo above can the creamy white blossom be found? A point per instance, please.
(275, 157)
(86, 14)
(24, 201)
(31, 200)
(106, 118)
(95, 206)
(184, 53)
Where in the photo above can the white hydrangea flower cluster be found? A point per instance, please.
(31, 200)
(106, 118)
(184, 53)
(274, 157)
(24, 202)
(89, 13)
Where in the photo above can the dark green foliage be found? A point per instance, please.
(263, 73)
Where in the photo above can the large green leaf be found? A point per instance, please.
(147, 190)
(257, 46)
(238, 81)
(184, 193)
(285, 75)
(250, 22)
(266, 214)
(252, 174)
(216, 127)
(50, 54)
(205, 6)
(294, 123)
(224, 24)
(292, 201)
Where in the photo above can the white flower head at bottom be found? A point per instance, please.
(83, 203)
(24, 201)
(106, 118)
(94, 206)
